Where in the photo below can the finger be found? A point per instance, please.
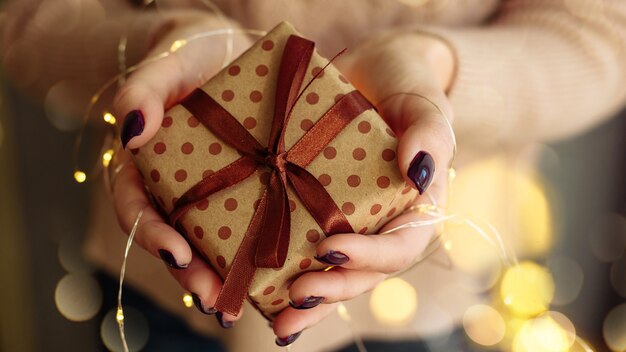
(335, 285)
(153, 234)
(291, 322)
(410, 97)
(204, 285)
(159, 84)
(426, 146)
(386, 253)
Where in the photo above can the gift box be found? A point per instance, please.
(264, 161)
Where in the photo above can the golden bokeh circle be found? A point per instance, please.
(484, 325)
(136, 330)
(394, 302)
(527, 289)
(614, 328)
(78, 297)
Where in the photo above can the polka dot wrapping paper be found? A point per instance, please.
(358, 168)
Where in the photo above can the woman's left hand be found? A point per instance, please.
(381, 68)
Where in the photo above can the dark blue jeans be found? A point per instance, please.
(169, 333)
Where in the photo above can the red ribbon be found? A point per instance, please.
(266, 241)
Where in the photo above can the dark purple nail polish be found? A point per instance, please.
(224, 324)
(421, 171)
(285, 341)
(133, 126)
(198, 302)
(169, 259)
(308, 302)
(333, 258)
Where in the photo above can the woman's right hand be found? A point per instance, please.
(142, 99)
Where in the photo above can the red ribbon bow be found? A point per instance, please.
(266, 241)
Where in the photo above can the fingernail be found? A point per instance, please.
(284, 341)
(224, 324)
(421, 171)
(198, 302)
(169, 259)
(133, 126)
(333, 258)
(308, 302)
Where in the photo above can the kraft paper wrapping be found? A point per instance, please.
(358, 168)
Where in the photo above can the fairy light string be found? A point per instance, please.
(432, 214)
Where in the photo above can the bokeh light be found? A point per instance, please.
(484, 325)
(394, 302)
(135, 328)
(80, 176)
(107, 156)
(551, 332)
(178, 44)
(61, 108)
(527, 289)
(71, 256)
(618, 276)
(109, 118)
(568, 279)
(607, 238)
(614, 328)
(78, 297)
(187, 300)
(509, 198)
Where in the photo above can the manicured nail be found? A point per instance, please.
(308, 302)
(285, 341)
(333, 258)
(133, 126)
(421, 171)
(169, 259)
(198, 302)
(224, 324)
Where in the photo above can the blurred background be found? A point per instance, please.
(561, 208)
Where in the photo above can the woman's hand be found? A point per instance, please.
(142, 100)
(422, 67)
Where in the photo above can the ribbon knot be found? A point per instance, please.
(266, 241)
(276, 161)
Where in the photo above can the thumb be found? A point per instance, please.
(149, 90)
(426, 141)
(160, 83)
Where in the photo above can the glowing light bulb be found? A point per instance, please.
(451, 173)
(80, 176)
(178, 44)
(343, 312)
(447, 245)
(187, 300)
(109, 118)
(107, 157)
(119, 316)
